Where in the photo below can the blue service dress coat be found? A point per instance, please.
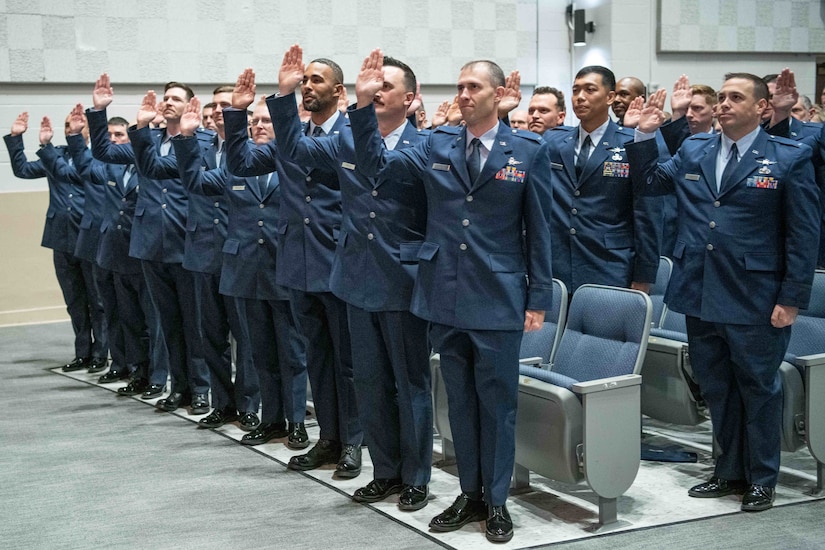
(66, 198)
(603, 231)
(747, 247)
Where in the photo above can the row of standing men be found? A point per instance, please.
(338, 258)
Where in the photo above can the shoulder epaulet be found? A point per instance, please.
(528, 135)
(785, 141)
(454, 130)
(701, 137)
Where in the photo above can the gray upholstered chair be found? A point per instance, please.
(582, 420)
(537, 349)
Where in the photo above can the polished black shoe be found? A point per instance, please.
(175, 400)
(97, 364)
(113, 376)
(758, 498)
(78, 363)
(324, 452)
(297, 438)
(264, 432)
(717, 487)
(249, 422)
(218, 418)
(200, 403)
(152, 391)
(413, 498)
(499, 524)
(463, 511)
(349, 463)
(377, 490)
(134, 387)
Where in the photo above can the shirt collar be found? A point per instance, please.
(743, 144)
(391, 139)
(595, 136)
(487, 139)
(327, 124)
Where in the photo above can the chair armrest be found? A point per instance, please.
(530, 361)
(604, 384)
(810, 360)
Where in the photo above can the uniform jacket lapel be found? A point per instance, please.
(708, 164)
(498, 157)
(568, 156)
(749, 163)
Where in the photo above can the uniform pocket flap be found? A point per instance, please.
(408, 252)
(231, 246)
(506, 263)
(282, 225)
(763, 262)
(427, 251)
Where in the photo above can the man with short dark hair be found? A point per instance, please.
(743, 266)
(627, 89)
(207, 117)
(484, 271)
(603, 231)
(309, 224)
(546, 109)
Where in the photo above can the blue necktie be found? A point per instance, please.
(474, 160)
(733, 161)
(263, 183)
(584, 153)
(317, 132)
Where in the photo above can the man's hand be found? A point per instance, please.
(148, 109)
(440, 115)
(644, 287)
(46, 131)
(783, 316)
(102, 95)
(77, 120)
(784, 97)
(244, 93)
(292, 70)
(454, 116)
(190, 121)
(651, 116)
(680, 99)
(20, 124)
(533, 320)
(371, 78)
(633, 112)
(512, 94)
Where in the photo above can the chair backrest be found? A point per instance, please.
(606, 333)
(657, 291)
(673, 326)
(808, 331)
(543, 343)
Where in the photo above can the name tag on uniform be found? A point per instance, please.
(762, 182)
(348, 165)
(239, 187)
(442, 167)
(692, 177)
(616, 170)
(112, 183)
(556, 166)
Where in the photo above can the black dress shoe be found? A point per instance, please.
(218, 418)
(499, 524)
(349, 463)
(113, 376)
(297, 438)
(97, 364)
(324, 452)
(413, 498)
(249, 422)
(717, 487)
(200, 403)
(152, 391)
(463, 511)
(134, 387)
(78, 363)
(175, 400)
(264, 432)
(377, 490)
(758, 498)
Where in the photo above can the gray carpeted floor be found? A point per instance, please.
(81, 468)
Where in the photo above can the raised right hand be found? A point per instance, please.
(103, 94)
